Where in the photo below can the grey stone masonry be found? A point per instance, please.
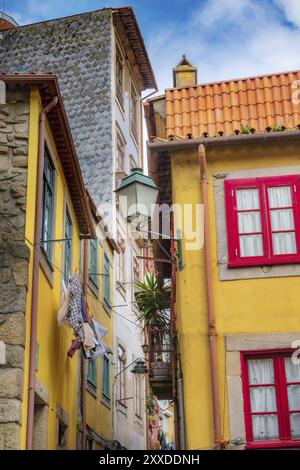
(78, 50)
(14, 260)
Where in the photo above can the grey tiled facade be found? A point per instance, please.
(78, 50)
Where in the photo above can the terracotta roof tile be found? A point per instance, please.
(222, 107)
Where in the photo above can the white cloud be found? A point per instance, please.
(21, 19)
(228, 39)
(291, 10)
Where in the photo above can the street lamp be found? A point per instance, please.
(139, 368)
(137, 198)
(137, 195)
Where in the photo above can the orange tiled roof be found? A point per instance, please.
(222, 107)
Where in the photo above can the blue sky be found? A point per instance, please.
(223, 38)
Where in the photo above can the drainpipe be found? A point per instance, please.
(209, 296)
(35, 271)
(83, 361)
(178, 412)
(181, 409)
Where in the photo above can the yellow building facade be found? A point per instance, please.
(72, 403)
(237, 311)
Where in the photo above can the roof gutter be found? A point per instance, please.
(174, 145)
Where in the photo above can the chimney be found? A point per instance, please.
(184, 74)
(7, 22)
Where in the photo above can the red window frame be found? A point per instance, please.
(262, 184)
(283, 412)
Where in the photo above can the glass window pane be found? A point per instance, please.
(249, 222)
(284, 243)
(251, 245)
(294, 397)
(261, 371)
(265, 427)
(292, 371)
(280, 196)
(282, 219)
(247, 199)
(263, 399)
(295, 424)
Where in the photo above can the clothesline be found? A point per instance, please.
(58, 269)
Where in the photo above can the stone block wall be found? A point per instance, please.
(14, 261)
(78, 50)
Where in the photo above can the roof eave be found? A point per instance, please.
(128, 13)
(85, 223)
(174, 145)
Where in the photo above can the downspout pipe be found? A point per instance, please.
(182, 432)
(83, 361)
(35, 271)
(209, 296)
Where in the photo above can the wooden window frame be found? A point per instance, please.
(106, 377)
(48, 187)
(92, 379)
(94, 266)
(122, 359)
(262, 184)
(120, 69)
(106, 280)
(285, 439)
(134, 114)
(68, 245)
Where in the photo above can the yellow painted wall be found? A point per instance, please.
(242, 306)
(99, 410)
(56, 371)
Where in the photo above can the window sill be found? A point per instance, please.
(121, 106)
(265, 262)
(47, 267)
(122, 408)
(106, 401)
(92, 389)
(121, 289)
(107, 307)
(134, 138)
(94, 289)
(271, 444)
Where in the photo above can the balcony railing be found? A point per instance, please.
(161, 355)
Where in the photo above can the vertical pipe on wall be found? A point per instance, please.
(209, 296)
(35, 271)
(177, 412)
(83, 361)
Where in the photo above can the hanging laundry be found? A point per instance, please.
(100, 349)
(75, 314)
(74, 346)
(89, 337)
(64, 309)
(84, 309)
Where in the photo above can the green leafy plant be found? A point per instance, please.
(245, 129)
(152, 301)
(277, 128)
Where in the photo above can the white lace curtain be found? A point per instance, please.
(249, 222)
(265, 426)
(263, 399)
(293, 375)
(282, 219)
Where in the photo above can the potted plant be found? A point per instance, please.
(153, 302)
